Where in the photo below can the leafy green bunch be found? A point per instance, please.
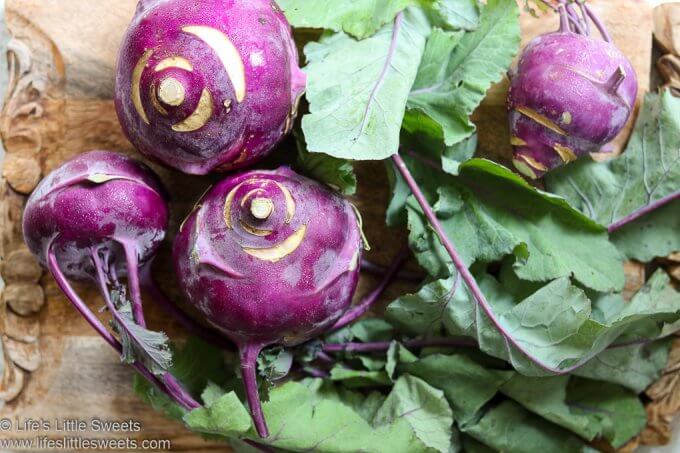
(525, 342)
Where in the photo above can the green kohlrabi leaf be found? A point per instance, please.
(224, 417)
(359, 378)
(643, 177)
(510, 428)
(336, 173)
(452, 14)
(274, 363)
(359, 18)
(467, 385)
(456, 71)
(301, 419)
(550, 332)
(489, 212)
(357, 90)
(362, 18)
(423, 407)
(634, 367)
(588, 408)
(619, 413)
(139, 343)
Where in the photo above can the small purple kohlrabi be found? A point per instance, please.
(570, 95)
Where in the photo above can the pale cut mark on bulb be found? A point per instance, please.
(541, 119)
(198, 117)
(255, 231)
(533, 163)
(281, 250)
(171, 92)
(174, 62)
(227, 205)
(261, 208)
(566, 154)
(226, 52)
(135, 88)
(516, 141)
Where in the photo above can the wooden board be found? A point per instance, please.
(59, 104)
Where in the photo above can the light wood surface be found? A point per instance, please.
(59, 103)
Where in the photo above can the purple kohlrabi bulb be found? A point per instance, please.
(207, 85)
(571, 94)
(100, 200)
(270, 257)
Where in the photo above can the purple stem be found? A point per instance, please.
(174, 388)
(643, 211)
(376, 269)
(468, 278)
(133, 281)
(576, 23)
(315, 372)
(87, 314)
(248, 354)
(584, 14)
(365, 304)
(598, 23)
(325, 358)
(564, 19)
(206, 334)
(380, 346)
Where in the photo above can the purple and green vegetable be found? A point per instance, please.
(519, 337)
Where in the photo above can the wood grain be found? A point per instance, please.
(59, 104)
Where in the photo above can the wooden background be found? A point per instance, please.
(58, 104)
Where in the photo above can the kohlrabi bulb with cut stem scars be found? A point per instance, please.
(207, 85)
(570, 95)
(101, 201)
(269, 257)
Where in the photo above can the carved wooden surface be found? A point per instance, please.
(59, 104)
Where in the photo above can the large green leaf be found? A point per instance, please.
(489, 212)
(467, 385)
(510, 428)
(299, 420)
(362, 18)
(357, 90)
(424, 407)
(457, 71)
(588, 408)
(648, 171)
(359, 18)
(551, 331)
(224, 417)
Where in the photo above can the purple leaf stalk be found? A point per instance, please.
(211, 86)
(98, 217)
(270, 257)
(570, 95)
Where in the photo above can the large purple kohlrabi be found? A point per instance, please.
(571, 94)
(269, 257)
(207, 85)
